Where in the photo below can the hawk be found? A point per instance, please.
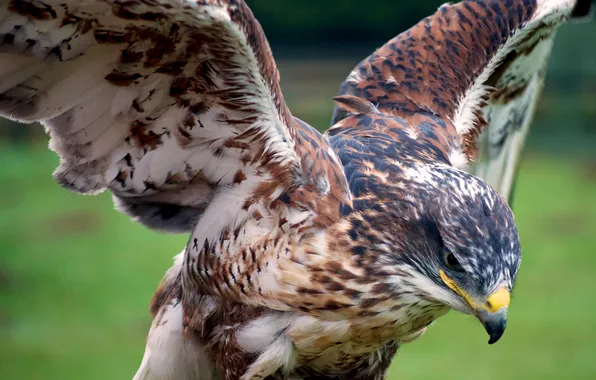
(310, 255)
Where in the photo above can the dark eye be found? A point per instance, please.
(452, 262)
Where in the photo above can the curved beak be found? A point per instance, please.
(492, 312)
(494, 323)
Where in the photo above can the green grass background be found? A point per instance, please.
(76, 277)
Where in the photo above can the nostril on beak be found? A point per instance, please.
(497, 300)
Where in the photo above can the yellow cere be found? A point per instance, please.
(494, 302)
(497, 300)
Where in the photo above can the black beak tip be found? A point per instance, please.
(494, 324)
(495, 336)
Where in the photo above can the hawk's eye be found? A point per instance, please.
(452, 262)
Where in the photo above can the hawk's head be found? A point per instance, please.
(456, 240)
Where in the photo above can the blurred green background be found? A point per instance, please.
(76, 277)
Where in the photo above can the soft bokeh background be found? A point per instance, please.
(76, 277)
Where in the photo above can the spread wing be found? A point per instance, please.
(477, 64)
(168, 104)
(175, 107)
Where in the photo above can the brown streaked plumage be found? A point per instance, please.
(310, 256)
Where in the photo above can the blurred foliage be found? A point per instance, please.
(337, 22)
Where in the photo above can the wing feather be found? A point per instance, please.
(148, 99)
(175, 107)
(479, 65)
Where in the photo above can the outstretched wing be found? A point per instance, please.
(175, 107)
(168, 104)
(477, 64)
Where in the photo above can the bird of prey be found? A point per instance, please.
(310, 256)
